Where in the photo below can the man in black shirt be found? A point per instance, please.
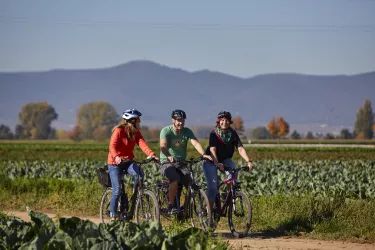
(222, 143)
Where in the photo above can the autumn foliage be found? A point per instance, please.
(75, 134)
(278, 127)
(238, 125)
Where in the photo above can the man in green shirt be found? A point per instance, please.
(173, 145)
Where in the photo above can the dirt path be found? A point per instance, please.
(255, 241)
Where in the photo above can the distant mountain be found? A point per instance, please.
(156, 90)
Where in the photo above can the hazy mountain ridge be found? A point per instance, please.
(157, 89)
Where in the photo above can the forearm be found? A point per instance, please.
(165, 151)
(198, 147)
(243, 154)
(213, 155)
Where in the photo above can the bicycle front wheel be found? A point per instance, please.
(147, 207)
(104, 206)
(239, 214)
(199, 210)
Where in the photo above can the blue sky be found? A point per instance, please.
(242, 38)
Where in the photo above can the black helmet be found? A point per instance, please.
(178, 114)
(224, 114)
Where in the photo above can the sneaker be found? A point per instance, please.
(115, 218)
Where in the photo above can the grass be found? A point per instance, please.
(325, 218)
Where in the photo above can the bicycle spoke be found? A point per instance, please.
(240, 214)
(105, 206)
(147, 207)
(199, 210)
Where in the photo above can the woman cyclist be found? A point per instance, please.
(123, 139)
(223, 140)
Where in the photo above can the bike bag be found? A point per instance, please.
(103, 176)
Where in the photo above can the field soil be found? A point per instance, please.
(253, 241)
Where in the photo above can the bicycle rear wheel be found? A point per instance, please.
(147, 207)
(239, 214)
(199, 210)
(104, 206)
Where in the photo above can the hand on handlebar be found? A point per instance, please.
(250, 165)
(153, 158)
(220, 166)
(118, 160)
(207, 157)
(171, 159)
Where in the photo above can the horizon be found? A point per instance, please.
(186, 70)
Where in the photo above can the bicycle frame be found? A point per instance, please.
(233, 181)
(192, 187)
(129, 205)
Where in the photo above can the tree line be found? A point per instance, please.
(95, 121)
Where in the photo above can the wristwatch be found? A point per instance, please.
(250, 161)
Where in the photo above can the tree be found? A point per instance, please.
(20, 133)
(151, 134)
(345, 134)
(100, 134)
(62, 134)
(36, 119)
(238, 126)
(279, 127)
(5, 133)
(295, 135)
(261, 133)
(365, 119)
(329, 136)
(75, 134)
(94, 115)
(309, 135)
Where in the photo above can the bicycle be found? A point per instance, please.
(233, 202)
(196, 206)
(143, 202)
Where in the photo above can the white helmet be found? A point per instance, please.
(130, 114)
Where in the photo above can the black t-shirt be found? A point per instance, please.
(224, 150)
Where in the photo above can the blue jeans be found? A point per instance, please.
(115, 173)
(210, 171)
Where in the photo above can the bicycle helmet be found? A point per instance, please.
(224, 114)
(130, 114)
(178, 114)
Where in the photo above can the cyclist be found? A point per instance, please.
(173, 146)
(223, 140)
(123, 139)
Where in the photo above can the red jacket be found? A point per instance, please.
(121, 146)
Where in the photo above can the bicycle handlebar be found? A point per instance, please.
(191, 161)
(151, 159)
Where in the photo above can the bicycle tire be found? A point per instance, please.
(141, 205)
(245, 223)
(204, 214)
(104, 206)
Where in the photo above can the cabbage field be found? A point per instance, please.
(323, 192)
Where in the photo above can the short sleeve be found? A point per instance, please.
(164, 133)
(213, 140)
(237, 141)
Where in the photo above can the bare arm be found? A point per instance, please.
(213, 155)
(244, 155)
(199, 148)
(164, 149)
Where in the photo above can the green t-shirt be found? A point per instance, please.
(176, 143)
